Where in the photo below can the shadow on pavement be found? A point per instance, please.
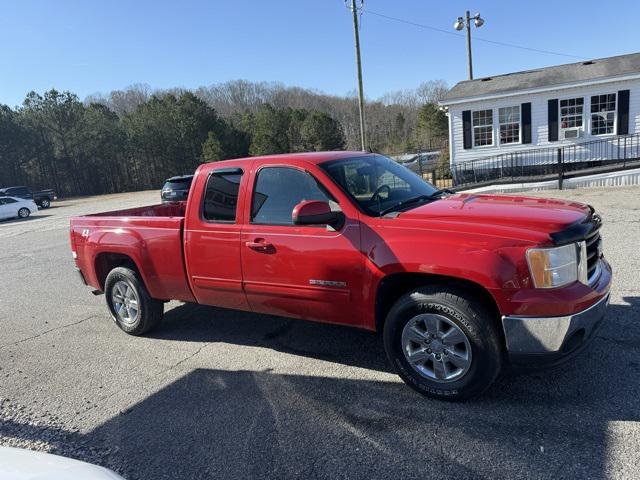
(333, 343)
(258, 424)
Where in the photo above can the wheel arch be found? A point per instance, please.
(395, 285)
(104, 262)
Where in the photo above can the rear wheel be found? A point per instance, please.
(129, 302)
(24, 212)
(443, 343)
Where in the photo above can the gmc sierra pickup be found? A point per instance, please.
(460, 285)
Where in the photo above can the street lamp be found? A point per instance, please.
(463, 22)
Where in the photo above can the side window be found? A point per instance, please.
(509, 119)
(7, 201)
(221, 197)
(603, 114)
(278, 190)
(482, 128)
(571, 110)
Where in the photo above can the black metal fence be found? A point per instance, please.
(548, 163)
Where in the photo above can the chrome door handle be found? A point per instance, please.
(259, 244)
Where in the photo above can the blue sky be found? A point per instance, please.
(91, 46)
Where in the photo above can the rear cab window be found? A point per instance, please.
(221, 196)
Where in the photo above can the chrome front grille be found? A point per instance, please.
(593, 243)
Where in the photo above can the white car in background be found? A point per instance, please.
(12, 207)
(19, 464)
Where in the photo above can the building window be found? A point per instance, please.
(571, 111)
(603, 113)
(509, 119)
(482, 128)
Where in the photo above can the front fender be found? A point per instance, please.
(487, 264)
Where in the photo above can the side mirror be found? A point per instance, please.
(316, 212)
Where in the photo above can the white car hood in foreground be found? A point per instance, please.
(19, 464)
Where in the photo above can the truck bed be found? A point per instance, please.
(151, 237)
(161, 210)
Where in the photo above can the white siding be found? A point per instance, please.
(539, 137)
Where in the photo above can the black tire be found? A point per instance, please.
(24, 212)
(479, 326)
(149, 312)
(45, 203)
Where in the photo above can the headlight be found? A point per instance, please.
(554, 267)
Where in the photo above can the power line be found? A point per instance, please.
(441, 30)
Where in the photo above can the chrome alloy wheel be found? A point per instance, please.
(436, 347)
(125, 302)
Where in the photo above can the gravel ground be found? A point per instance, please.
(221, 394)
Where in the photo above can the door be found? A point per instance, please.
(212, 240)
(311, 272)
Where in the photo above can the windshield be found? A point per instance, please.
(376, 183)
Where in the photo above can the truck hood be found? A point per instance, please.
(541, 215)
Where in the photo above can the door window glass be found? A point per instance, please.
(221, 197)
(278, 190)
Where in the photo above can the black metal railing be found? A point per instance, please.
(533, 165)
(547, 163)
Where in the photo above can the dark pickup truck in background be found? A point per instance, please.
(43, 198)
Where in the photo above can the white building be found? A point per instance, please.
(571, 104)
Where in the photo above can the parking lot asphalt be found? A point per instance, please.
(219, 394)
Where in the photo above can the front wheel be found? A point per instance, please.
(443, 343)
(45, 203)
(24, 213)
(129, 302)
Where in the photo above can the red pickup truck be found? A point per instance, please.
(461, 285)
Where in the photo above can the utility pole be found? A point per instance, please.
(356, 33)
(463, 22)
(469, 45)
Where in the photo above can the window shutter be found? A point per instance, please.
(553, 120)
(466, 129)
(525, 112)
(623, 112)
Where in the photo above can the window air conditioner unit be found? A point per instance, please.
(571, 133)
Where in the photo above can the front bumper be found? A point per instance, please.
(533, 341)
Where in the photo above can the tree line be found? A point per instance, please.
(133, 139)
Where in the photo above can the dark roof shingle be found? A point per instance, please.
(545, 77)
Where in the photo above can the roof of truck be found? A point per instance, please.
(312, 157)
